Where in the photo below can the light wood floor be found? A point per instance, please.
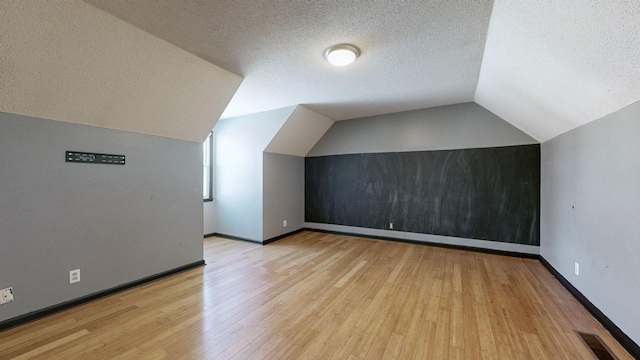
(321, 296)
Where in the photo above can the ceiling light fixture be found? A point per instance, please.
(341, 54)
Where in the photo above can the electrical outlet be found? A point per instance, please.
(74, 276)
(577, 269)
(284, 223)
(391, 225)
(6, 295)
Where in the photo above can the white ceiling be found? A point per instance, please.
(552, 66)
(68, 61)
(547, 67)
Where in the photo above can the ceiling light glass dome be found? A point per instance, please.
(342, 54)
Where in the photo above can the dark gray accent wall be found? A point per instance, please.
(486, 194)
(283, 194)
(460, 126)
(590, 208)
(115, 223)
(452, 127)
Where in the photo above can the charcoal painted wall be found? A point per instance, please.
(487, 194)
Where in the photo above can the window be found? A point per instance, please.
(207, 168)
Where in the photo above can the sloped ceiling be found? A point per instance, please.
(545, 67)
(68, 61)
(415, 54)
(299, 133)
(552, 66)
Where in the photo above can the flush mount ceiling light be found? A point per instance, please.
(341, 54)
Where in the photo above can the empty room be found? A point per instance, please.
(296, 179)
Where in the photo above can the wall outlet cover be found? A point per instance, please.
(6, 295)
(74, 276)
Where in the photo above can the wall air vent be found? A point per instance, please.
(94, 158)
(599, 349)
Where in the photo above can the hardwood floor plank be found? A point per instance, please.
(323, 296)
(52, 345)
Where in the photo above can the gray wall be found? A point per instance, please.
(209, 217)
(460, 126)
(283, 194)
(238, 175)
(589, 213)
(209, 207)
(115, 223)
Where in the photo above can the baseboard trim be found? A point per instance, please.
(434, 244)
(268, 241)
(232, 237)
(48, 311)
(617, 333)
(264, 242)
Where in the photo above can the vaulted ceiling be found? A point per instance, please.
(544, 66)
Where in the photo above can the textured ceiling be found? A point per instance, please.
(68, 61)
(547, 67)
(552, 66)
(415, 54)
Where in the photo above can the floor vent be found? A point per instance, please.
(599, 349)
